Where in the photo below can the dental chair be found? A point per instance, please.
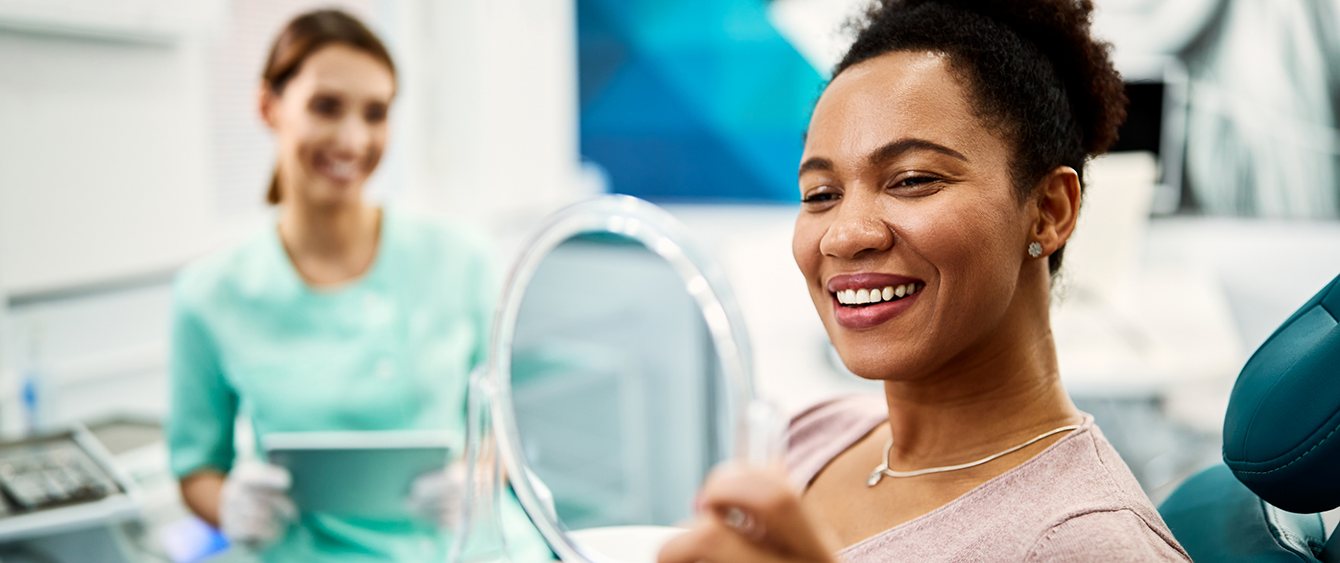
(1281, 452)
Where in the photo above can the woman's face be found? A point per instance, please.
(330, 124)
(903, 186)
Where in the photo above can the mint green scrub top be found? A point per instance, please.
(390, 350)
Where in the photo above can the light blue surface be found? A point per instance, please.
(612, 373)
(390, 350)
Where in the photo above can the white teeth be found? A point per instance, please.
(876, 295)
(341, 169)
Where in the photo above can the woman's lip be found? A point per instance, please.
(867, 280)
(339, 172)
(867, 316)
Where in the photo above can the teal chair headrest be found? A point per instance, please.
(1282, 430)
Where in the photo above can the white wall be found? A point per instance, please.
(489, 112)
(104, 162)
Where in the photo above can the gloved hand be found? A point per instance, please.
(254, 507)
(437, 496)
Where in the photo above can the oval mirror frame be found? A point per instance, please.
(703, 279)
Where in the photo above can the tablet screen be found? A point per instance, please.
(364, 474)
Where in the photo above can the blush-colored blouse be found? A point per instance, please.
(1074, 501)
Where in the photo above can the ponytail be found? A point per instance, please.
(272, 195)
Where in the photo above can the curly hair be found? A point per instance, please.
(1030, 66)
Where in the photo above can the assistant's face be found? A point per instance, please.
(330, 124)
(903, 186)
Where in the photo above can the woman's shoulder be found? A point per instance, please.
(1092, 504)
(819, 433)
(1121, 534)
(431, 237)
(244, 267)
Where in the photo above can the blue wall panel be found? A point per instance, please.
(692, 99)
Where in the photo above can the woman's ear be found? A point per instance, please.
(267, 103)
(1057, 200)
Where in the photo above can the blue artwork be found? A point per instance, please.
(692, 100)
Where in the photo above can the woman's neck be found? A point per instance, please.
(996, 396)
(330, 245)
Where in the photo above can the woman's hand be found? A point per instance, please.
(438, 496)
(254, 507)
(750, 514)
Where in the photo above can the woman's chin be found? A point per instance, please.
(884, 358)
(332, 195)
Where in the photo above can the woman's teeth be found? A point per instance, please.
(876, 295)
(343, 170)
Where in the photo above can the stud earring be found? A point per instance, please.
(1034, 249)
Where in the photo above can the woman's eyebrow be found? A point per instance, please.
(816, 163)
(897, 148)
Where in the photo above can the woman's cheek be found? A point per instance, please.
(805, 248)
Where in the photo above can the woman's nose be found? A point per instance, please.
(352, 135)
(858, 228)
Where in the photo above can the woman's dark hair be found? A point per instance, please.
(1030, 67)
(305, 35)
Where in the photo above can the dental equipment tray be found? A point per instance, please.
(60, 482)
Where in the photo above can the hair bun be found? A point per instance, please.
(1060, 30)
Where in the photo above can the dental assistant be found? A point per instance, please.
(342, 317)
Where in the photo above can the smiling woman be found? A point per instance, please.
(343, 317)
(940, 180)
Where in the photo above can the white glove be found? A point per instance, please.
(438, 496)
(254, 507)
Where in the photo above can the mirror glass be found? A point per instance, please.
(614, 385)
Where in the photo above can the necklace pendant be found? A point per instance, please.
(874, 478)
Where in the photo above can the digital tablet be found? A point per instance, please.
(365, 474)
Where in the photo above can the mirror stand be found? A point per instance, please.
(479, 530)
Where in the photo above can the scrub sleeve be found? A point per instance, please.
(390, 350)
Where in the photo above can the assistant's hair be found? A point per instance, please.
(305, 35)
(1030, 66)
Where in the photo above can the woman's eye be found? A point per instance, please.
(824, 197)
(375, 113)
(326, 106)
(916, 184)
(914, 181)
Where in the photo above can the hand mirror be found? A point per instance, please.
(619, 375)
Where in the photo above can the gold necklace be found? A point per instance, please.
(883, 468)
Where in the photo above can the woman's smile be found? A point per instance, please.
(865, 300)
(339, 170)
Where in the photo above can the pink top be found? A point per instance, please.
(1075, 501)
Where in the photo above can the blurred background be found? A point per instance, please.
(130, 144)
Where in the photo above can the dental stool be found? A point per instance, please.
(1281, 452)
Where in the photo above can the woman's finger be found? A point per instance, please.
(772, 513)
(714, 541)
